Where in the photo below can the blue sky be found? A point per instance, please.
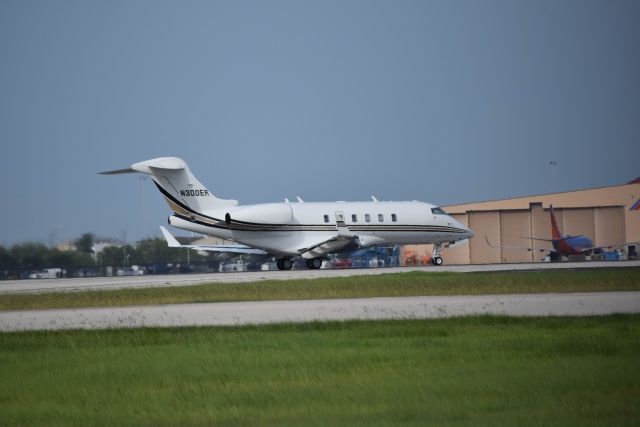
(441, 101)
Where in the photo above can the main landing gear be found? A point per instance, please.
(314, 264)
(436, 259)
(287, 263)
(284, 264)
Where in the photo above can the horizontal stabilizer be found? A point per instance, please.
(146, 167)
(536, 238)
(117, 172)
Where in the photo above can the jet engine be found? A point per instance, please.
(271, 213)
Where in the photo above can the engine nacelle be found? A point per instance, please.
(270, 213)
(367, 241)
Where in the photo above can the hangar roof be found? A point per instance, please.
(624, 194)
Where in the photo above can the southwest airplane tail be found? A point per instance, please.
(555, 230)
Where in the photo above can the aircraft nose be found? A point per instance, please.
(469, 233)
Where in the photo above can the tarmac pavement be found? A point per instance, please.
(121, 282)
(263, 312)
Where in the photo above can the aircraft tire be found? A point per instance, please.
(314, 264)
(287, 264)
(436, 261)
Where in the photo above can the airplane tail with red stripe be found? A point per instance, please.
(555, 231)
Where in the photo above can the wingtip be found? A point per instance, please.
(171, 241)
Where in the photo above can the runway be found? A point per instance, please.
(262, 312)
(102, 283)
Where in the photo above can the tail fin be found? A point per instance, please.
(555, 231)
(182, 191)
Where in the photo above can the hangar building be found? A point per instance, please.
(608, 215)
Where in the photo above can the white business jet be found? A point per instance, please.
(290, 230)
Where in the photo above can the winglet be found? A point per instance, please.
(171, 241)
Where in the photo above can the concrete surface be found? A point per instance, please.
(242, 313)
(100, 283)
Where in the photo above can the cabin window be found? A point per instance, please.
(438, 211)
(380, 218)
(367, 217)
(326, 218)
(354, 218)
(394, 218)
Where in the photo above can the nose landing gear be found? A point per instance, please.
(436, 259)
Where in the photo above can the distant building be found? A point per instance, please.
(101, 244)
(68, 245)
(98, 245)
(606, 215)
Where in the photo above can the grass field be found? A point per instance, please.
(401, 284)
(466, 371)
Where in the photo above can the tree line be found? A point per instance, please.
(36, 256)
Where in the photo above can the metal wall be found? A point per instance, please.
(514, 226)
(605, 225)
(579, 221)
(609, 225)
(484, 224)
(621, 195)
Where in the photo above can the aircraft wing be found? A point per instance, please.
(591, 248)
(520, 247)
(615, 245)
(550, 240)
(236, 249)
(333, 244)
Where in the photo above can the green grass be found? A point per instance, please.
(465, 371)
(401, 284)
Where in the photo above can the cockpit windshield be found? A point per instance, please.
(438, 211)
